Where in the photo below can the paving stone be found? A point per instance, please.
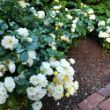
(84, 105)
(105, 91)
(91, 102)
(105, 105)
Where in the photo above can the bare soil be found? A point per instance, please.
(92, 71)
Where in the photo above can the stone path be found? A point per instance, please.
(99, 100)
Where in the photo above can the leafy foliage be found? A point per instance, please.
(35, 35)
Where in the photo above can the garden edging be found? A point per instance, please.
(99, 100)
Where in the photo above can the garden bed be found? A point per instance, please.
(93, 67)
(36, 61)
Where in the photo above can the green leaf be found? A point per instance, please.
(24, 56)
(20, 68)
(4, 27)
(21, 81)
(48, 39)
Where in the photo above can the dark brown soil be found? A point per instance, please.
(92, 71)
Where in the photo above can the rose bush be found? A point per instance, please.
(33, 40)
(104, 33)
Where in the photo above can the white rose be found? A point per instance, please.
(66, 9)
(40, 14)
(32, 54)
(31, 92)
(64, 63)
(36, 93)
(37, 105)
(75, 20)
(23, 32)
(48, 71)
(23, 4)
(101, 23)
(54, 64)
(8, 42)
(3, 95)
(108, 20)
(53, 14)
(33, 80)
(12, 66)
(108, 30)
(60, 24)
(92, 17)
(103, 34)
(108, 39)
(73, 29)
(69, 17)
(9, 84)
(60, 69)
(57, 7)
(39, 80)
(45, 65)
(73, 25)
(70, 71)
(57, 92)
(2, 100)
(29, 61)
(53, 35)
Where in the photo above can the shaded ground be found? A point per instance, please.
(92, 71)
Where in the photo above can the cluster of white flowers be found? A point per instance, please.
(46, 68)
(101, 23)
(39, 14)
(57, 8)
(73, 27)
(69, 16)
(62, 82)
(63, 79)
(24, 33)
(32, 57)
(39, 90)
(7, 86)
(52, 13)
(53, 43)
(23, 4)
(91, 14)
(9, 41)
(104, 33)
